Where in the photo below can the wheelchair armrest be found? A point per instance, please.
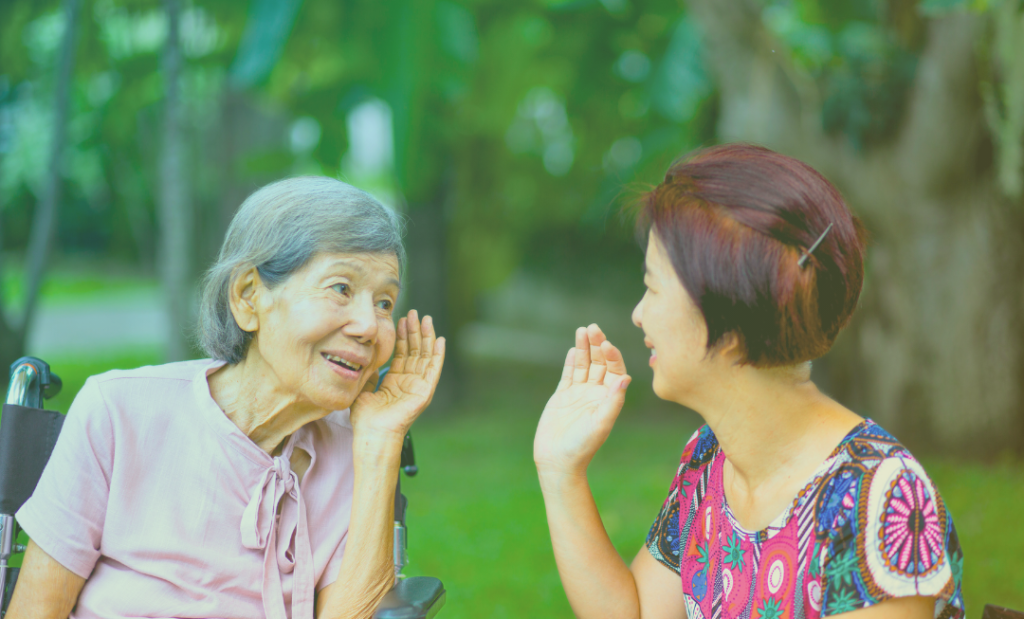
(417, 597)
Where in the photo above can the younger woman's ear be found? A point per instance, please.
(243, 291)
(731, 348)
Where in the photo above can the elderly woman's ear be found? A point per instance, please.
(243, 296)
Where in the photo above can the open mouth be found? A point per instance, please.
(348, 365)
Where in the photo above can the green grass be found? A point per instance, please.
(476, 517)
(68, 282)
(987, 503)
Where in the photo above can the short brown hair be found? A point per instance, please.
(735, 220)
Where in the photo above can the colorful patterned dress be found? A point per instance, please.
(869, 526)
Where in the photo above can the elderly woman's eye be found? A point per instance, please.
(385, 304)
(340, 288)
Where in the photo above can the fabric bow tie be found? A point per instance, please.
(283, 538)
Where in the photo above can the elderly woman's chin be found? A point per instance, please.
(339, 392)
(321, 382)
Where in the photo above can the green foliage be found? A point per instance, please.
(521, 118)
(267, 29)
(1002, 89)
(861, 63)
(109, 162)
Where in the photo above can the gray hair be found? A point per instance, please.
(278, 229)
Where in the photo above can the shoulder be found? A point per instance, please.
(885, 529)
(869, 468)
(700, 450)
(123, 398)
(663, 539)
(691, 480)
(150, 382)
(181, 371)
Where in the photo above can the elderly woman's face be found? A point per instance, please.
(328, 328)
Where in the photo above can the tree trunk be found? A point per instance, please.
(175, 210)
(427, 247)
(935, 352)
(44, 223)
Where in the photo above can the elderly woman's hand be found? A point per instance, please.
(408, 386)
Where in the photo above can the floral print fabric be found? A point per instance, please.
(867, 527)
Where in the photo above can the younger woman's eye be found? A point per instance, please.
(340, 288)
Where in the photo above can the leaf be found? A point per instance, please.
(681, 82)
(937, 8)
(456, 29)
(266, 32)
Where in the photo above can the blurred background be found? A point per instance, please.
(512, 134)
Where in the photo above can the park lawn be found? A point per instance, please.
(476, 516)
(76, 280)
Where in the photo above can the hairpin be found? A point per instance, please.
(802, 262)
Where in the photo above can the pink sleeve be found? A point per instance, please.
(65, 514)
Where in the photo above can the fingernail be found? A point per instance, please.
(625, 383)
(440, 344)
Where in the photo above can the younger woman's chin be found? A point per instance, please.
(667, 391)
(660, 389)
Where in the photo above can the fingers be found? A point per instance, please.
(432, 371)
(567, 370)
(613, 359)
(582, 361)
(415, 341)
(401, 347)
(429, 337)
(416, 344)
(597, 361)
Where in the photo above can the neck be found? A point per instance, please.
(771, 422)
(253, 399)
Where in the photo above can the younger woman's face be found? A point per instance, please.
(674, 329)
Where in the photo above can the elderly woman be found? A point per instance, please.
(786, 503)
(259, 482)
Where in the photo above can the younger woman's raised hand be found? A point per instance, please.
(408, 386)
(586, 403)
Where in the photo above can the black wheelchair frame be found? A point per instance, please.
(28, 434)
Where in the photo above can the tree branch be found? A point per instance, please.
(44, 224)
(754, 101)
(174, 208)
(765, 98)
(943, 108)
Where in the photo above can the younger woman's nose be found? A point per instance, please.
(638, 313)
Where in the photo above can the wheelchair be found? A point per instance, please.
(28, 434)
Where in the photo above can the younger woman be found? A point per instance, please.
(786, 504)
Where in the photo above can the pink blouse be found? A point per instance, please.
(156, 498)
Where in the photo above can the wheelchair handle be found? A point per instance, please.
(32, 382)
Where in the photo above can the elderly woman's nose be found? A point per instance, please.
(362, 319)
